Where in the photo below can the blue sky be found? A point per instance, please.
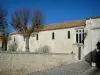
(56, 11)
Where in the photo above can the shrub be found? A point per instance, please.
(44, 49)
(13, 47)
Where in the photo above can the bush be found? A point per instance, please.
(44, 49)
(13, 47)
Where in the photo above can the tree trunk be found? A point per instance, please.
(27, 44)
(2, 46)
(6, 46)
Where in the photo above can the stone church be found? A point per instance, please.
(78, 37)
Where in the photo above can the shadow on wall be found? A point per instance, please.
(93, 56)
(45, 49)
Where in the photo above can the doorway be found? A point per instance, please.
(79, 53)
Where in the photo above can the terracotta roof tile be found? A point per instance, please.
(64, 25)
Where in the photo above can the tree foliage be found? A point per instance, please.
(3, 18)
(3, 27)
(19, 21)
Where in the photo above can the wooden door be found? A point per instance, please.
(79, 53)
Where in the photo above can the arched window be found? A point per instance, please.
(80, 36)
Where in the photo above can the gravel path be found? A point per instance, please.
(79, 68)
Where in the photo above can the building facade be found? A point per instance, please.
(79, 37)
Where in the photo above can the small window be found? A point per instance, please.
(68, 34)
(83, 37)
(83, 31)
(14, 38)
(53, 35)
(24, 38)
(37, 37)
(80, 38)
(77, 37)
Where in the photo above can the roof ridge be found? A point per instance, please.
(62, 25)
(65, 22)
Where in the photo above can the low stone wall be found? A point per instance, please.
(22, 63)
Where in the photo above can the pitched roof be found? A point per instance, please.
(64, 25)
(14, 33)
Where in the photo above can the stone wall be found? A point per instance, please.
(20, 63)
